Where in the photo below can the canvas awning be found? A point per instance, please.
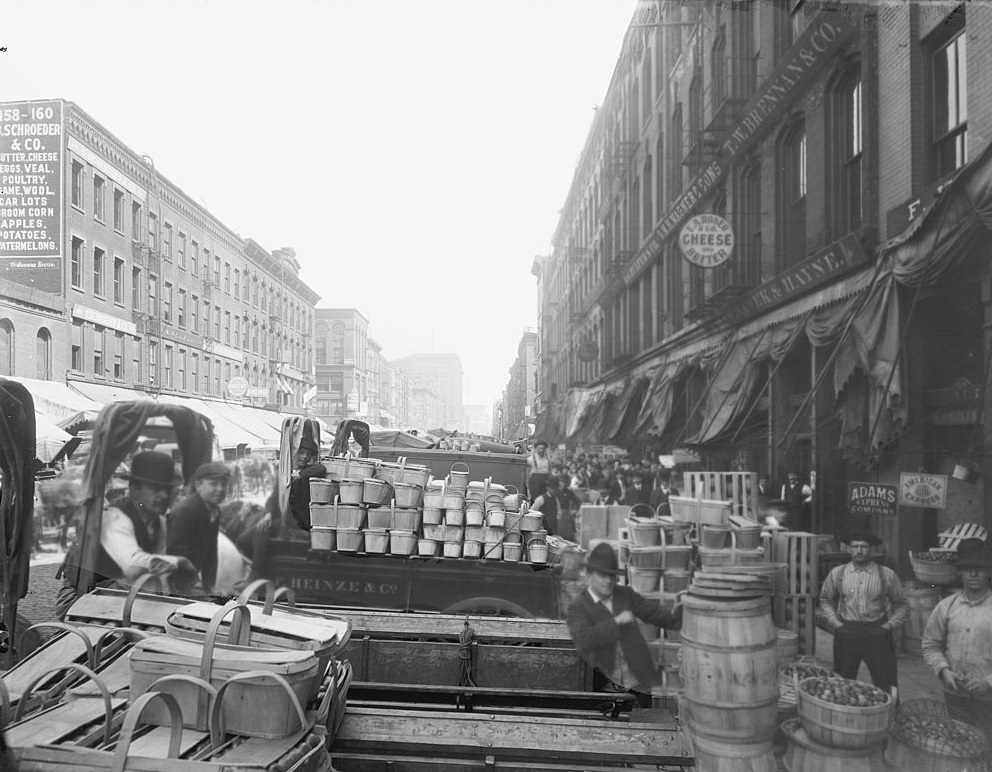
(57, 400)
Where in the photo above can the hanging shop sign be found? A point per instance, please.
(32, 150)
(867, 498)
(815, 50)
(237, 387)
(825, 266)
(706, 240)
(918, 489)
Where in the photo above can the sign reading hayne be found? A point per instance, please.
(706, 240)
(923, 490)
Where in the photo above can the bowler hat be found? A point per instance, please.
(864, 536)
(974, 553)
(603, 560)
(152, 467)
(540, 442)
(212, 471)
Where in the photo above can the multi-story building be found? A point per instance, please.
(440, 375)
(342, 364)
(111, 275)
(521, 389)
(771, 254)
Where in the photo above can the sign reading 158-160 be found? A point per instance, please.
(706, 240)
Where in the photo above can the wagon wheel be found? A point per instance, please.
(487, 606)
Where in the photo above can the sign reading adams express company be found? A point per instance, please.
(811, 53)
(31, 152)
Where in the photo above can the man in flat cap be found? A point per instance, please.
(957, 641)
(195, 522)
(603, 624)
(863, 602)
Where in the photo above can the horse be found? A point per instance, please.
(257, 473)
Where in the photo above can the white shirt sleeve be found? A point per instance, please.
(118, 539)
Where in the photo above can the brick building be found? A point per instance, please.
(842, 331)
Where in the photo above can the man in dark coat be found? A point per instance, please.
(603, 624)
(195, 522)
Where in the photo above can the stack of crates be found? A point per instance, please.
(798, 551)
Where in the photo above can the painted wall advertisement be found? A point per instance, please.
(31, 178)
(866, 498)
(918, 489)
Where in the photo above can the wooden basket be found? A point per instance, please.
(376, 540)
(403, 473)
(933, 572)
(402, 542)
(345, 467)
(844, 726)
(407, 495)
(322, 491)
(405, 519)
(322, 538)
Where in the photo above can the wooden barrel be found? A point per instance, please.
(719, 755)
(922, 600)
(730, 668)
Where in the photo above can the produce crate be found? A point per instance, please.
(800, 618)
(699, 512)
(799, 552)
(737, 487)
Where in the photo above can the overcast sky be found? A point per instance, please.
(415, 153)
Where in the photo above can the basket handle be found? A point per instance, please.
(132, 595)
(281, 592)
(207, 658)
(128, 633)
(460, 463)
(108, 709)
(634, 508)
(91, 658)
(131, 718)
(249, 592)
(204, 688)
(516, 491)
(402, 462)
(216, 710)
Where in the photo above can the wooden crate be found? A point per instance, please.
(699, 512)
(798, 551)
(800, 618)
(594, 521)
(737, 487)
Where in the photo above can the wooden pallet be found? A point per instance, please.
(800, 618)
(798, 551)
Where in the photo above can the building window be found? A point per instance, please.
(135, 221)
(99, 202)
(181, 368)
(194, 304)
(245, 296)
(254, 291)
(136, 289)
(321, 349)
(77, 345)
(77, 185)
(206, 375)
(181, 249)
(227, 327)
(167, 302)
(118, 356)
(181, 310)
(217, 271)
(244, 333)
(153, 373)
(675, 154)
(676, 291)
(949, 100)
(216, 322)
(153, 295)
(635, 215)
(99, 368)
(194, 372)
(749, 214)
(205, 320)
(194, 258)
(76, 263)
(99, 287)
(646, 203)
(237, 283)
(167, 241)
(237, 330)
(227, 278)
(118, 210)
(718, 69)
(6, 347)
(845, 153)
(43, 355)
(118, 281)
(337, 343)
(792, 195)
(167, 366)
(153, 232)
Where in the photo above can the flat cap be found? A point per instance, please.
(212, 470)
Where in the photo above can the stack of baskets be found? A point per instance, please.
(367, 506)
(657, 552)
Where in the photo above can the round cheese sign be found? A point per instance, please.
(706, 240)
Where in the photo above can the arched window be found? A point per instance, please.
(6, 347)
(791, 190)
(43, 355)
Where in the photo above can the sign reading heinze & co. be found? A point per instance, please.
(31, 153)
(923, 490)
(865, 498)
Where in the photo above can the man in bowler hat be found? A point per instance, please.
(603, 624)
(957, 640)
(863, 602)
(195, 522)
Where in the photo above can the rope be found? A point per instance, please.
(465, 639)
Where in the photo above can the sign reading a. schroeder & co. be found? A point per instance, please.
(864, 498)
(31, 142)
(923, 490)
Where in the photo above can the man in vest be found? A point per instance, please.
(863, 603)
(133, 533)
(797, 497)
(603, 624)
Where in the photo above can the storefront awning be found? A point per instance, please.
(625, 411)
(55, 399)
